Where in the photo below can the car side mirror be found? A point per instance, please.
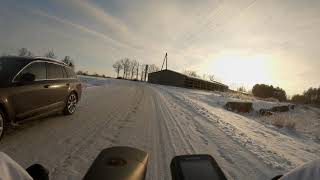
(27, 77)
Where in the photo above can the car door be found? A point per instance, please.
(58, 84)
(29, 97)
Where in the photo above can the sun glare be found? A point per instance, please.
(241, 70)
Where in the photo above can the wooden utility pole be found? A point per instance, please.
(137, 72)
(145, 72)
(165, 61)
(141, 73)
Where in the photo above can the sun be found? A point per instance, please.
(243, 70)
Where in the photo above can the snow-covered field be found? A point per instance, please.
(280, 148)
(165, 121)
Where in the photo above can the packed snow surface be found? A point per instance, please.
(163, 121)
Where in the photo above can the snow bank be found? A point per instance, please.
(221, 98)
(279, 148)
(89, 81)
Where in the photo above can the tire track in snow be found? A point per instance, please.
(202, 121)
(70, 156)
(167, 147)
(174, 119)
(65, 169)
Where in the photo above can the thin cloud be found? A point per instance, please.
(102, 16)
(81, 28)
(120, 32)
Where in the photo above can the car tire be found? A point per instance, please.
(71, 104)
(2, 123)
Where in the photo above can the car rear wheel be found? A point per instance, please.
(2, 123)
(71, 104)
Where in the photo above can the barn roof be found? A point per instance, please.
(190, 77)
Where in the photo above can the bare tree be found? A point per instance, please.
(126, 65)
(80, 72)
(24, 52)
(242, 89)
(146, 72)
(211, 77)
(153, 68)
(50, 54)
(137, 77)
(143, 67)
(68, 61)
(133, 67)
(5, 54)
(205, 77)
(30, 54)
(191, 73)
(117, 66)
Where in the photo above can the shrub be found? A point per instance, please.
(282, 121)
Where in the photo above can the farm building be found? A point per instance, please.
(172, 78)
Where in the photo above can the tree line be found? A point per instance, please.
(127, 68)
(310, 96)
(87, 73)
(24, 52)
(131, 69)
(268, 91)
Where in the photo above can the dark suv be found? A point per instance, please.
(32, 87)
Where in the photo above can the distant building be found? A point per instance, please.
(172, 78)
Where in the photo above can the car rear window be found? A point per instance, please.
(9, 67)
(38, 69)
(71, 73)
(54, 71)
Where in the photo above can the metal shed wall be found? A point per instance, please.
(195, 83)
(167, 77)
(172, 78)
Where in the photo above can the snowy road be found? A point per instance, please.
(131, 114)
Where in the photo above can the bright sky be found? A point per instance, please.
(241, 42)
